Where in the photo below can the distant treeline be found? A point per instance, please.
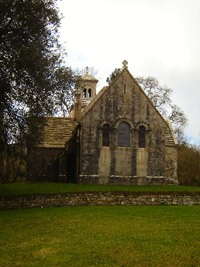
(189, 164)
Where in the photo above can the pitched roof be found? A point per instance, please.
(57, 132)
(170, 138)
(88, 77)
(94, 100)
(104, 89)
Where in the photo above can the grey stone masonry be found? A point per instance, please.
(100, 199)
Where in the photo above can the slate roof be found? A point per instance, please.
(57, 132)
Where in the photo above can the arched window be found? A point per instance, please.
(124, 134)
(105, 139)
(89, 92)
(141, 136)
(84, 92)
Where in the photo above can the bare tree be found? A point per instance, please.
(161, 98)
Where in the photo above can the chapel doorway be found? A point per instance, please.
(71, 168)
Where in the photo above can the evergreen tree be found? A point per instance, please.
(33, 79)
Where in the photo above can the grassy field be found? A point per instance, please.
(101, 236)
(44, 188)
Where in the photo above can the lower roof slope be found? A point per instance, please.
(57, 132)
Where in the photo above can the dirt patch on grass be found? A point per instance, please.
(45, 252)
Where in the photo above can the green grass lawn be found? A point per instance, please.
(101, 236)
(44, 188)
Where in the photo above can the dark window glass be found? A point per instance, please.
(84, 92)
(106, 129)
(89, 93)
(124, 134)
(124, 88)
(142, 137)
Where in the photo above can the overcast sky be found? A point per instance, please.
(159, 38)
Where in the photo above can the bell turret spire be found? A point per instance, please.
(88, 88)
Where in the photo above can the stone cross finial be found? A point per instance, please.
(86, 69)
(125, 63)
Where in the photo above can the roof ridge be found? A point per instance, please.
(105, 88)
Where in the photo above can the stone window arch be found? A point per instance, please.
(124, 134)
(89, 92)
(106, 135)
(84, 92)
(142, 137)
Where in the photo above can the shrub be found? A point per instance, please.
(188, 165)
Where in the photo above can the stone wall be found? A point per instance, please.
(121, 180)
(42, 165)
(100, 199)
(124, 102)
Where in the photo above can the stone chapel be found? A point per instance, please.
(114, 137)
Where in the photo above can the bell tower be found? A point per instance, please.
(85, 94)
(87, 88)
